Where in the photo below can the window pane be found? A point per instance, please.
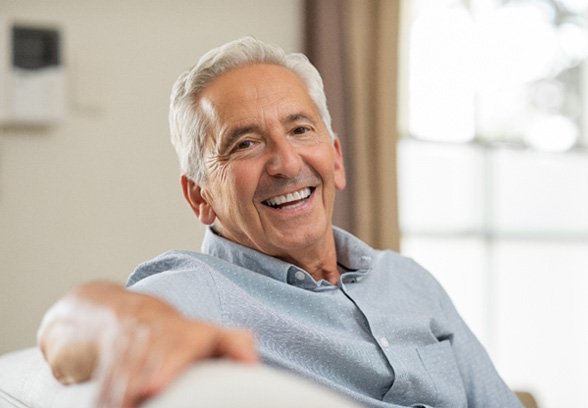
(540, 193)
(541, 329)
(440, 187)
(584, 99)
(529, 72)
(441, 89)
(499, 70)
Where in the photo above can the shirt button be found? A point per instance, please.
(299, 275)
(384, 342)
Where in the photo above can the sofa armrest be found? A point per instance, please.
(26, 382)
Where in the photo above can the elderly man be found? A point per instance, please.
(260, 166)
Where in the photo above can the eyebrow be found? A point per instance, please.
(235, 133)
(295, 117)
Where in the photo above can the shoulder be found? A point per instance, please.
(398, 264)
(405, 274)
(174, 261)
(184, 279)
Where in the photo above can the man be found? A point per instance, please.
(260, 165)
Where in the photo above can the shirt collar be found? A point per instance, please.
(352, 255)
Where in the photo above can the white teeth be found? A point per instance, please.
(287, 198)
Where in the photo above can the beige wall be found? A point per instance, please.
(99, 193)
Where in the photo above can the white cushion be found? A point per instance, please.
(26, 381)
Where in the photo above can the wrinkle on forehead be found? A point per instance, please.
(237, 86)
(233, 104)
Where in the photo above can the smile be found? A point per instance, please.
(290, 198)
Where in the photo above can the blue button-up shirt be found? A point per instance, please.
(387, 335)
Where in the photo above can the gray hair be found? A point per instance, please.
(189, 124)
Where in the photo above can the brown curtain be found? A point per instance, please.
(354, 44)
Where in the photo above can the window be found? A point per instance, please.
(493, 178)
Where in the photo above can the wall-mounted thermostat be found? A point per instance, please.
(32, 74)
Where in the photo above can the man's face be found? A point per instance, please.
(271, 168)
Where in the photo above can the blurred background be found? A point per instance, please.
(494, 178)
(464, 125)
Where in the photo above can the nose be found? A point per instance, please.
(284, 160)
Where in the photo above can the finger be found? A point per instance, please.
(113, 374)
(126, 370)
(208, 342)
(140, 366)
(238, 345)
(189, 343)
(144, 371)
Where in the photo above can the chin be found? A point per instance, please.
(301, 239)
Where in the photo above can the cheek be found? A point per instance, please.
(240, 185)
(323, 163)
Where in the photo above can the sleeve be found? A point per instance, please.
(186, 284)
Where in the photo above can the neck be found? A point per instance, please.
(321, 262)
(318, 260)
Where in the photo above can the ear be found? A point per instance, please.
(200, 206)
(339, 178)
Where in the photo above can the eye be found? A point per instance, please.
(300, 130)
(244, 145)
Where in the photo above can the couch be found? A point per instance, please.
(26, 382)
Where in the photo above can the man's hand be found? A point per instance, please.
(133, 344)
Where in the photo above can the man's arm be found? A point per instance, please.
(134, 344)
(483, 384)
